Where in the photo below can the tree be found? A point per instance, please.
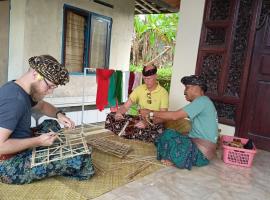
(154, 39)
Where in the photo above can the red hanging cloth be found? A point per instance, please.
(103, 76)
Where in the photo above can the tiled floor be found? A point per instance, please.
(213, 182)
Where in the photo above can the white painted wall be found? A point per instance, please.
(16, 58)
(186, 51)
(90, 116)
(122, 31)
(36, 28)
(4, 35)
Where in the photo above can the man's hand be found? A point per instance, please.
(141, 124)
(144, 112)
(47, 139)
(67, 122)
(118, 116)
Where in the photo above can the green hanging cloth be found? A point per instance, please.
(111, 92)
(118, 87)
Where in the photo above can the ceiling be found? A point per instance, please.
(150, 6)
(156, 6)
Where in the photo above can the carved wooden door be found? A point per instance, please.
(224, 54)
(234, 57)
(256, 117)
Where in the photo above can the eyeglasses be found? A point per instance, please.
(149, 99)
(50, 87)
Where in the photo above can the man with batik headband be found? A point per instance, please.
(149, 95)
(17, 99)
(199, 146)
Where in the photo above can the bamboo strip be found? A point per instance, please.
(137, 171)
(99, 168)
(123, 129)
(59, 151)
(109, 146)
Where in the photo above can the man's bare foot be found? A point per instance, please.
(167, 162)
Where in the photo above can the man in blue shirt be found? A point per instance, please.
(199, 146)
(17, 99)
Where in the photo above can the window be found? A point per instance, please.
(86, 39)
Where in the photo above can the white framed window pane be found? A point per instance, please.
(98, 42)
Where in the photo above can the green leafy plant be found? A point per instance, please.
(163, 75)
(154, 38)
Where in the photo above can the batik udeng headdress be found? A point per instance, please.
(50, 68)
(149, 72)
(195, 80)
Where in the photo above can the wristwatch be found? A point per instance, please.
(151, 115)
(59, 111)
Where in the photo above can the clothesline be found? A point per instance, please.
(114, 86)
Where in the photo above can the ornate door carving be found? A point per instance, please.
(234, 57)
(256, 115)
(223, 56)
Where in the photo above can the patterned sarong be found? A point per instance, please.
(17, 169)
(148, 134)
(179, 149)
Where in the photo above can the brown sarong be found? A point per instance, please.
(126, 128)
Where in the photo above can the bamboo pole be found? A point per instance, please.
(137, 171)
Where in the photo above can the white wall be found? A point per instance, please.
(122, 31)
(186, 51)
(90, 116)
(16, 58)
(4, 34)
(36, 28)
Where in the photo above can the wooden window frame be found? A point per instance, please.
(88, 36)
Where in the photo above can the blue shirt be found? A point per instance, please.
(15, 110)
(203, 116)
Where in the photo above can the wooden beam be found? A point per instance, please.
(165, 5)
(150, 6)
(142, 6)
(138, 10)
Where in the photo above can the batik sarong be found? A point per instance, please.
(17, 169)
(148, 134)
(179, 149)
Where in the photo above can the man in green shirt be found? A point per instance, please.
(198, 147)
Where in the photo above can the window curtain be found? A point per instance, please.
(74, 42)
(98, 43)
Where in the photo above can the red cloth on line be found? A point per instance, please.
(103, 76)
(130, 82)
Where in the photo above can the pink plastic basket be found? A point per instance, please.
(237, 156)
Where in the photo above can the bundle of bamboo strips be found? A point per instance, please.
(110, 146)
